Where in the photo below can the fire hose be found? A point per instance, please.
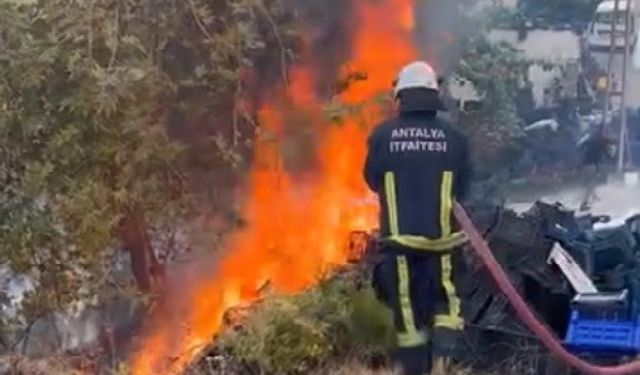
(523, 311)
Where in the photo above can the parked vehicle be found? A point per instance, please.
(598, 35)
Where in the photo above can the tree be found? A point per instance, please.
(99, 99)
(496, 71)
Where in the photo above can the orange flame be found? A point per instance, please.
(296, 230)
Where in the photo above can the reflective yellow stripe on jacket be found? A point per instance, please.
(451, 319)
(411, 337)
(446, 203)
(446, 242)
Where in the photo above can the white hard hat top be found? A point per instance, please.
(418, 74)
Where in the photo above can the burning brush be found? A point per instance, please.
(362, 245)
(234, 316)
(350, 76)
(314, 236)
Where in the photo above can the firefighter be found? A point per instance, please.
(418, 164)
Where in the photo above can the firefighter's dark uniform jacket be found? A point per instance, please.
(418, 164)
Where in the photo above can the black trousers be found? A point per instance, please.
(419, 288)
(595, 175)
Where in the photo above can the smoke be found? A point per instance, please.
(321, 39)
(440, 29)
(321, 43)
(330, 30)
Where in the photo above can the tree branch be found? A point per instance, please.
(276, 33)
(116, 36)
(238, 93)
(90, 29)
(236, 98)
(201, 25)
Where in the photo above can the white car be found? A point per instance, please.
(598, 35)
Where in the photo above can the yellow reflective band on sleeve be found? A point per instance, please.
(392, 205)
(446, 204)
(411, 340)
(423, 243)
(411, 336)
(452, 320)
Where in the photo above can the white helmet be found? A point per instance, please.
(418, 74)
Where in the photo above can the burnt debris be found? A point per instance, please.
(522, 244)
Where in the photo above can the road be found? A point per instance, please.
(614, 199)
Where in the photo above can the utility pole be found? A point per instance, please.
(612, 53)
(622, 149)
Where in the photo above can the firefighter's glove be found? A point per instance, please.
(441, 366)
(445, 342)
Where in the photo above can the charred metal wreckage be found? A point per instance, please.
(558, 261)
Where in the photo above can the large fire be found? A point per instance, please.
(295, 230)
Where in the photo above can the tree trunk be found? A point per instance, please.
(135, 239)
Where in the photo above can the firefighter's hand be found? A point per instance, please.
(444, 349)
(441, 366)
(445, 342)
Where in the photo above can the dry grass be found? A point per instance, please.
(355, 368)
(46, 366)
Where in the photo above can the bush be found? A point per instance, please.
(372, 323)
(338, 327)
(333, 323)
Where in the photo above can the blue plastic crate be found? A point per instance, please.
(603, 336)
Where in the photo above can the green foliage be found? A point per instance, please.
(280, 339)
(297, 334)
(495, 131)
(93, 95)
(500, 16)
(371, 322)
